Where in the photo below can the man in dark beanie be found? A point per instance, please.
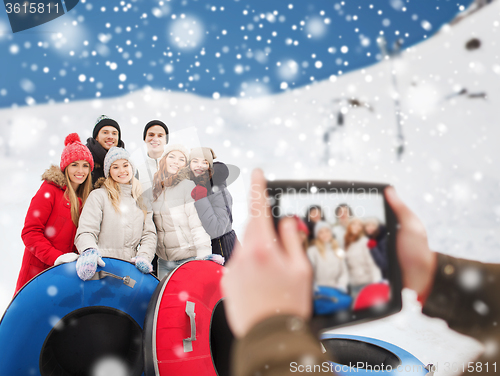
(155, 136)
(106, 134)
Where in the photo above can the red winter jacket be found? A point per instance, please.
(48, 229)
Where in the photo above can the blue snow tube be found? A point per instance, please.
(58, 325)
(362, 356)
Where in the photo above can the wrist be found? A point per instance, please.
(428, 276)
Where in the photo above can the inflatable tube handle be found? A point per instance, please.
(102, 274)
(188, 342)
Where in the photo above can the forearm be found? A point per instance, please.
(275, 347)
(465, 295)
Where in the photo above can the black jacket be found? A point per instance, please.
(99, 153)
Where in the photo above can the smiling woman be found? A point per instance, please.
(54, 212)
(181, 236)
(117, 200)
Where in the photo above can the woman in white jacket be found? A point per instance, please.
(181, 236)
(327, 259)
(362, 268)
(114, 221)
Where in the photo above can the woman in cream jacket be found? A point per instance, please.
(115, 222)
(181, 236)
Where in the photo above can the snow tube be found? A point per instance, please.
(355, 355)
(372, 295)
(185, 332)
(58, 325)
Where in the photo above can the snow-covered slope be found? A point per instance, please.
(448, 173)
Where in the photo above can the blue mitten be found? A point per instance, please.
(142, 264)
(86, 265)
(215, 258)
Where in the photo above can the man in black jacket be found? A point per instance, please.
(106, 134)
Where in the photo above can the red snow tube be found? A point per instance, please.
(185, 332)
(372, 295)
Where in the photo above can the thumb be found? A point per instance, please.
(403, 212)
(133, 259)
(101, 262)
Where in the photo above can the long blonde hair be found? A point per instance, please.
(321, 246)
(113, 189)
(82, 193)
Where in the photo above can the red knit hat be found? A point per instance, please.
(75, 151)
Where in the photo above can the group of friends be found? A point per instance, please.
(347, 256)
(173, 205)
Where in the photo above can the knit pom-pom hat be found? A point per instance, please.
(203, 153)
(74, 151)
(114, 154)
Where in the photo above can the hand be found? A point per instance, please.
(66, 258)
(86, 265)
(142, 264)
(215, 258)
(270, 274)
(417, 261)
(198, 192)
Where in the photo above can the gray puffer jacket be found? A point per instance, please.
(121, 235)
(212, 209)
(180, 232)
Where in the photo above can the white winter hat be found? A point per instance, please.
(320, 225)
(114, 154)
(176, 147)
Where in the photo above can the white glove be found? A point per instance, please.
(66, 258)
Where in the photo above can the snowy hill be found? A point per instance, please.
(448, 173)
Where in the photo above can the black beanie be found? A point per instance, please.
(153, 123)
(103, 121)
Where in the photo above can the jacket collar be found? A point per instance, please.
(55, 176)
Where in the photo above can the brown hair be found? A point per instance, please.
(164, 179)
(82, 193)
(351, 237)
(203, 179)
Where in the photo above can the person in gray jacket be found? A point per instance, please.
(181, 236)
(213, 201)
(115, 222)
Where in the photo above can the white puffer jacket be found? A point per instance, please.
(362, 267)
(116, 234)
(180, 232)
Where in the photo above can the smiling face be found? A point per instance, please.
(121, 171)
(315, 215)
(108, 137)
(356, 226)
(325, 235)
(198, 166)
(156, 139)
(175, 160)
(78, 172)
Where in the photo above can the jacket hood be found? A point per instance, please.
(54, 175)
(221, 173)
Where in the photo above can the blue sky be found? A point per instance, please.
(211, 48)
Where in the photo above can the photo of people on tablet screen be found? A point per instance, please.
(345, 238)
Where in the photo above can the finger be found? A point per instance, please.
(289, 237)
(261, 224)
(403, 212)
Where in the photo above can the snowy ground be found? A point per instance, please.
(448, 174)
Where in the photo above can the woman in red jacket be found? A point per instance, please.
(52, 218)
